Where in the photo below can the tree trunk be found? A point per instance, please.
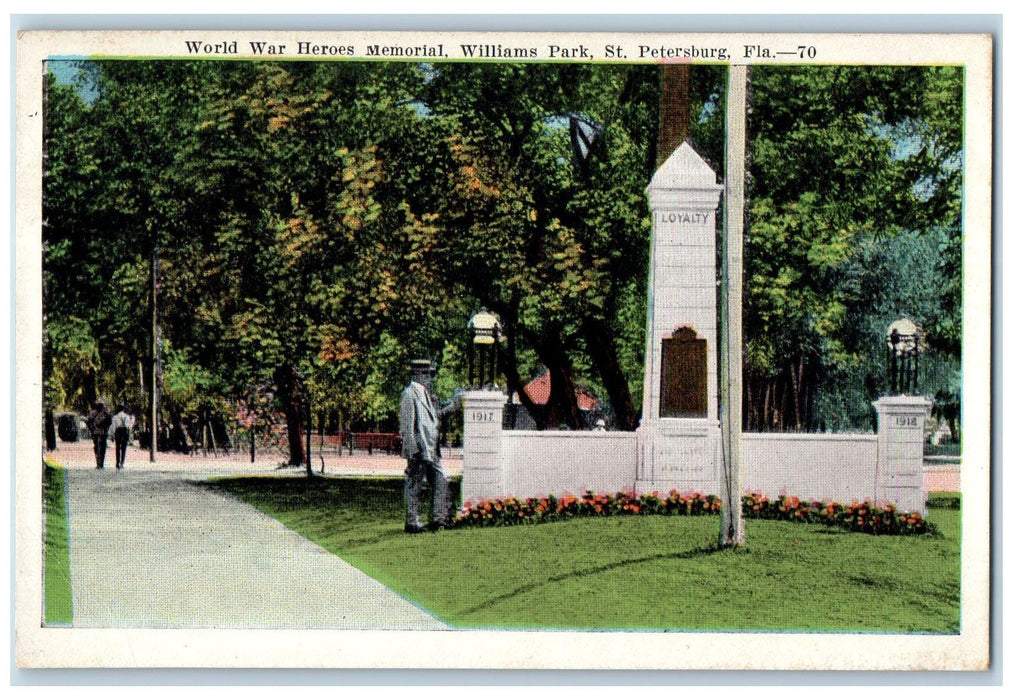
(601, 347)
(750, 408)
(767, 408)
(90, 386)
(309, 437)
(47, 373)
(50, 429)
(296, 455)
(673, 127)
(783, 403)
(954, 431)
(514, 381)
(178, 441)
(776, 404)
(563, 407)
(289, 391)
(796, 390)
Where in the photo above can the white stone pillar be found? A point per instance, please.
(681, 452)
(900, 477)
(482, 464)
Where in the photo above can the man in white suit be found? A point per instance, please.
(420, 437)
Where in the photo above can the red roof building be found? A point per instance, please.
(538, 389)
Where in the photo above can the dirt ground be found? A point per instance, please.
(81, 455)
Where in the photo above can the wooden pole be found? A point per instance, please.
(155, 352)
(732, 524)
(309, 435)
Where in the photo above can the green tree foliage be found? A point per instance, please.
(556, 247)
(71, 279)
(283, 250)
(316, 224)
(841, 158)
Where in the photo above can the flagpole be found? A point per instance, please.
(732, 524)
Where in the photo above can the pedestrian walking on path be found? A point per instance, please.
(98, 425)
(121, 424)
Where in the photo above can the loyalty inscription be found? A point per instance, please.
(684, 217)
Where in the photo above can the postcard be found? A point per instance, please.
(503, 350)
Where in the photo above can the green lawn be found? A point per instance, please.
(59, 609)
(648, 572)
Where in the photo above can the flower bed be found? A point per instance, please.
(858, 517)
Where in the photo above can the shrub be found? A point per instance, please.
(945, 500)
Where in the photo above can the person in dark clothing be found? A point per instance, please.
(99, 421)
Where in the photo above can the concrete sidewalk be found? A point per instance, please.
(150, 549)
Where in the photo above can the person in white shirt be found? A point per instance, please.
(123, 421)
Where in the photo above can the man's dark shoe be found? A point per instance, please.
(436, 527)
(414, 529)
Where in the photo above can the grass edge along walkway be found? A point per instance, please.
(59, 609)
(628, 572)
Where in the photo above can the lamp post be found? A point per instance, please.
(156, 349)
(485, 330)
(905, 340)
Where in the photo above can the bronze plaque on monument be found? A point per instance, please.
(684, 375)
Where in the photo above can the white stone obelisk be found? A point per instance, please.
(680, 452)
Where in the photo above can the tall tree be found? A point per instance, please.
(556, 245)
(837, 153)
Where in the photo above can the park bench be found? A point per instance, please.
(387, 442)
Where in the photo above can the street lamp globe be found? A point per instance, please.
(905, 340)
(485, 330)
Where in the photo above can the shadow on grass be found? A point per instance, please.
(350, 502)
(591, 571)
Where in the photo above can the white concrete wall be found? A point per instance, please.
(839, 467)
(812, 466)
(541, 463)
